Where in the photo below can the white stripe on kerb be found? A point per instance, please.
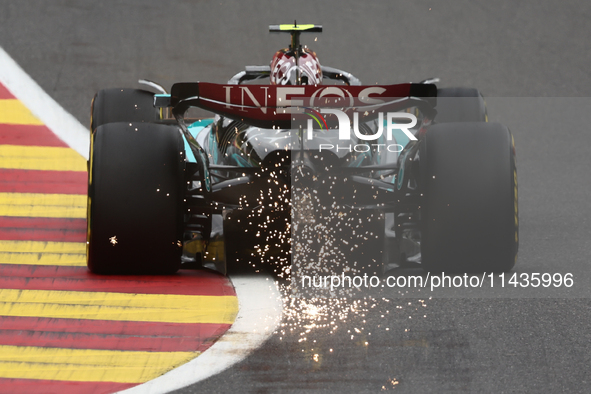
(57, 119)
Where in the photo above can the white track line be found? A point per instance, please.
(259, 315)
(57, 119)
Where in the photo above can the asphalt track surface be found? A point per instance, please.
(519, 54)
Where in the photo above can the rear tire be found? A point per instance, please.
(135, 199)
(460, 105)
(122, 105)
(469, 215)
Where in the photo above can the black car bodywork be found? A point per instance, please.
(272, 170)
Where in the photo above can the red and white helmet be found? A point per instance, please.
(284, 68)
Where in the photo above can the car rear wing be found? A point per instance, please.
(273, 106)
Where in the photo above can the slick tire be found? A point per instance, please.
(469, 214)
(460, 105)
(135, 199)
(122, 105)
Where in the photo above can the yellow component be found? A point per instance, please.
(90, 160)
(194, 246)
(289, 27)
(87, 365)
(43, 205)
(49, 158)
(12, 111)
(119, 306)
(215, 251)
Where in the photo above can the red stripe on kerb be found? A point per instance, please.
(37, 135)
(199, 339)
(42, 229)
(31, 386)
(110, 327)
(36, 181)
(5, 93)
(186, 282)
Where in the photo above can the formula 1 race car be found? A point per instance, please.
(313, 168)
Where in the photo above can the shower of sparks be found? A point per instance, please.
(268, 218)
(331, 239)
(300, 229)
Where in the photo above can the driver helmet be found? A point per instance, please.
(283, 68)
